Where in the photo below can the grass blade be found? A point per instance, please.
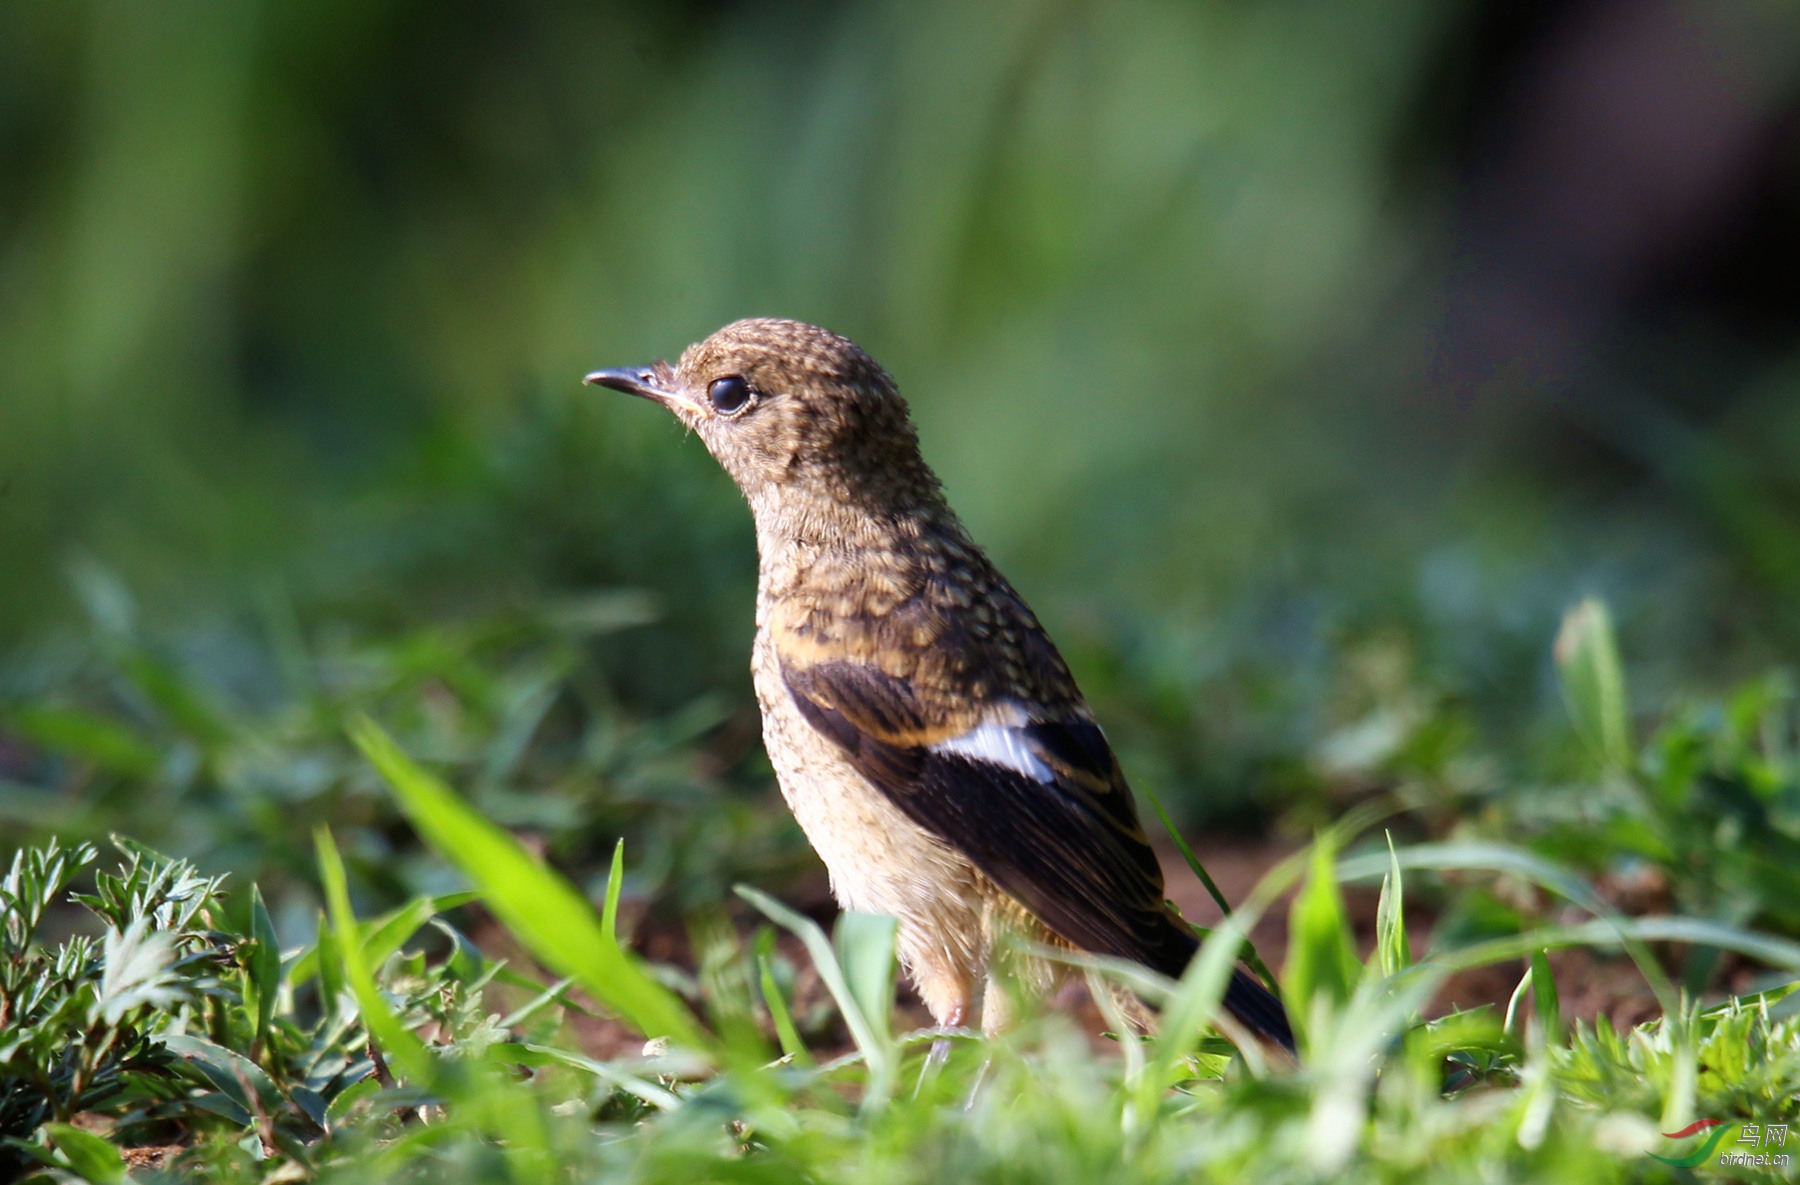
(1393, 951)
(265, 965)
(1194, 1002)
(1543, 995)
(1250, 955)
(1593, 682)
(1776, 952)
(865, 946)
(536, 1004)
(615, 885)
(544, 1055)
(403, 1048)
(877, 1053)
(1493, 857)
(546, 913)
(1322, 968)
(785, 1031)
(386, 933)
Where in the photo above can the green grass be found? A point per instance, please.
(187, 1030)
(261, 1073)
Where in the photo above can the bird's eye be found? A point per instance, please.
(728, 394)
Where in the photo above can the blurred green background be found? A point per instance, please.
(1300, 362)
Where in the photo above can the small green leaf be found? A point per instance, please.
(466, 961)
(397, 928)
(615, 884)
(1394, 953)
(1593, 682)
(87, 1154)
(1511, 1025)
(511, 978)
(227, 1070)
(346, 1100)
(1543, 994)
(330, 968)
(310, 1102)
(265, 964)
(217, 1102)
(1322, 966)
(136, 971)
(865, 949)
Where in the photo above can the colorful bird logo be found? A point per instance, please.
(1706, 1146)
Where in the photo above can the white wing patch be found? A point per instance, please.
(1001, 744)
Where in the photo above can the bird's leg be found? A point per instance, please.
(947, 988)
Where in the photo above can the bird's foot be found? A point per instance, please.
(950, 1025)
(934, 1062)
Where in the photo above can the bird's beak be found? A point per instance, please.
(643, 382)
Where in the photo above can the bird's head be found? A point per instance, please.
(793, 412)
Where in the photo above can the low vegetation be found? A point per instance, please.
(172, 1035)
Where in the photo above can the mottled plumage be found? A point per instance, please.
(923, 727)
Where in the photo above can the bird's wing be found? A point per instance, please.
(1039, 806)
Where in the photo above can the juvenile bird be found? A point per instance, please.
(924, 730)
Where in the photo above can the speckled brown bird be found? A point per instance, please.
(925, 731)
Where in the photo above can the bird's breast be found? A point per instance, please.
(880, 861)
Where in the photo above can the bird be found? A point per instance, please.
(924, 730)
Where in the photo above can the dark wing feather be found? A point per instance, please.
(1069, 850)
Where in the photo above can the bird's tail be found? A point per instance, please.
(1257, 1009)
(1249, 1002)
